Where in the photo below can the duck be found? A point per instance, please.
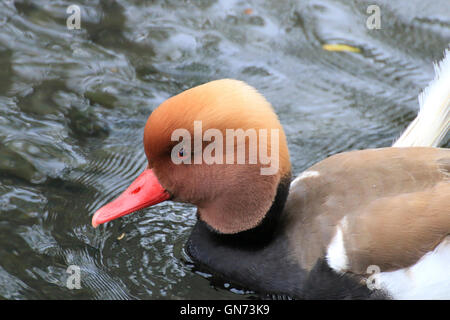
(361, 224)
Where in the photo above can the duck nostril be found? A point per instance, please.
(136, 190)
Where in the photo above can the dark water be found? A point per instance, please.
(73, 104)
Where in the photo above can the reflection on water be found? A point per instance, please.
(73, 104)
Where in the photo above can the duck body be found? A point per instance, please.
(270, 270)
(297, 259)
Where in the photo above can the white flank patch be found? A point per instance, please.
(429, 278)
(336, 256)
(304, 175)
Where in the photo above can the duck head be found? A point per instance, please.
(218, 146)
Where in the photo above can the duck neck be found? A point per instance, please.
(265, 231)
(251, 257)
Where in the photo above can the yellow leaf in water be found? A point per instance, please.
(340, 47)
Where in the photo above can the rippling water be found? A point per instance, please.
(73, 104)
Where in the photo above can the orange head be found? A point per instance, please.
(219, 146)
